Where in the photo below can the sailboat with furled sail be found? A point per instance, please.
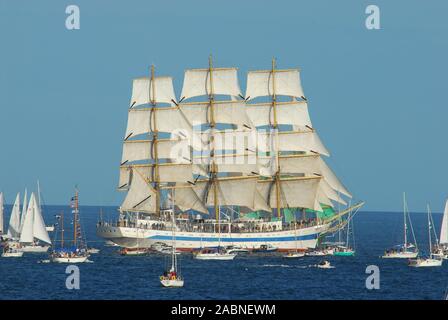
(78, 252)
(432, 260)
(247, 165)
(407, 250)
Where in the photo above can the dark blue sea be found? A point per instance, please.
(112, 276)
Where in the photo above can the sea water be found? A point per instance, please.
(249, 276)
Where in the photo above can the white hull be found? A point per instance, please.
(401, 255)
(238, 251)
(34, 249)
(215, 256)
(12, 254)
(172, 283)
(317, 253)
(187, 241)
(325, 267)
(294, 255)
(69, 260)
(419, 263)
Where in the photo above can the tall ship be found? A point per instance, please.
(235, 170)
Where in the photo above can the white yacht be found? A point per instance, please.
(432, 260)
(406, 250)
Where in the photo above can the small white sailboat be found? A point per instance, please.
(407, 250)
(49, 228)
(236, 249)
(93, 250)
(172, 278)
(78, 252)
(325, 264)
(2, 208)
(315, 253)
(14, 221)
(169, 250)
(33, 230)
(10, 252)
(432, 260)
(109, 243)
(214, 254)
(294, 254)
(425, 262)
(441, 247)
(133, 251)
(264, 248)
(345, 249)
(11, 248)
(219, 253)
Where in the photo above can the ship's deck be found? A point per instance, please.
(235, 227)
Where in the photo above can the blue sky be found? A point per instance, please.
(377, 97)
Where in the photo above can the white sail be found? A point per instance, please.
(197, 82)
(24, 208)
(261, 83)
(332, 179)
(168, 172)
(330, 193)
(294, 192)
(186, 199)
(291, 141)
(444, 228)
(238, 141)
(144, 91)
(14, 220)
(39, 228)
(306, 164)
(322, 197)
(141, 196)
(1, 211)
(167, 119)
(230, 191)
(26, 236)
(288, 113)
(177, 150)
(260, 202)
(235, 163)
(227, 112)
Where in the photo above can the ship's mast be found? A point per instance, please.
(275, 127)
(75, 219)
(405, 221)
(62, 229)
(155, 135)
(213, 168)
(429, 231)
